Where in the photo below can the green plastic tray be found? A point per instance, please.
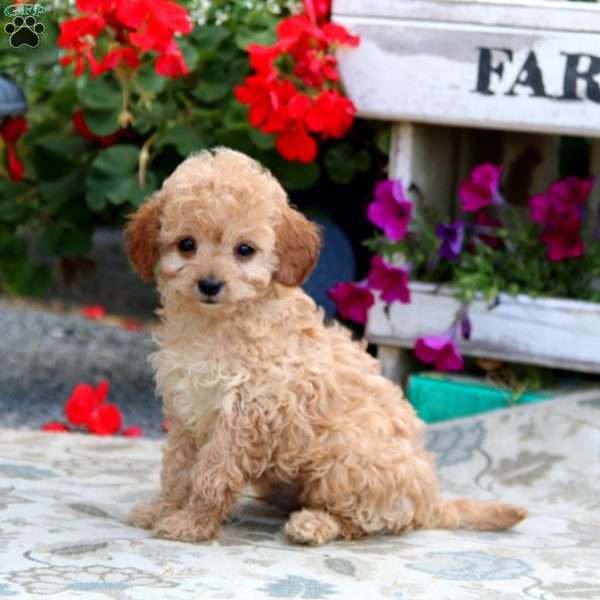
(439, 398)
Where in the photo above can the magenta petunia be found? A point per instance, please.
(482, 187)
(353, 300)
(561, 210)
(441, 351)
(391, 281)
(564, 240)
(562, 198)
(390, 210)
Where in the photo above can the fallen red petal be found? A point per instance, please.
(131, 325)
(55, 427)
(133, 431)
(94, 311)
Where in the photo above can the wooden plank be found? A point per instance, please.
(594, 202)
(474, 76)
(549, 332)
(422, 157)
(549, 15)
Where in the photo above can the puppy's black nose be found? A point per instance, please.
(210, 286)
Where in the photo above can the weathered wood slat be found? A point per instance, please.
(474, 76)
(548, 15)
(549, 332)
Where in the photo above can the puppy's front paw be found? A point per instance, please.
(187, 526)
(146, 514)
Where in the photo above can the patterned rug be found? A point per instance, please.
(64, 498)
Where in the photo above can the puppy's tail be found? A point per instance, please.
(474, 514)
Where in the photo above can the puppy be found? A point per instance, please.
(257, 390)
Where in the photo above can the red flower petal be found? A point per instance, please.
(297, 145)
(94, 311)
(16, 169)
(105, 420)
(131, 325)
(133, 431)
(80, 405)
(102, 391)
(55, 427)
(171, 63)
(13, 128)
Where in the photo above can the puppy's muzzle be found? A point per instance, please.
(210, 287)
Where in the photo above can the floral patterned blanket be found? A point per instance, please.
(64, 498)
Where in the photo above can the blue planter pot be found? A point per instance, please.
(336, 263)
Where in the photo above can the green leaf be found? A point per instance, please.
(294, 175)
(23, 277)
(187, 139)
(63, 240)
(383, 140)
(128, 190)
(207, 91)
(11, 210)
(64, 99)
(150, 80)
(264, 141)
(102, 121)
(210, 36)
(264, 37)
(63, 146)
(341, 162)
(117, 160)
(11, 245)
(58, 192)
(101, 93)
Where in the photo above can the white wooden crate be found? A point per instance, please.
(553, 332)
(530, 66)
(439, 68)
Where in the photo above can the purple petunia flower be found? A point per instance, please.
(390, 280)
(441, 351)
(352, 300)
(482, 188)
(452, 236)
(390, 210)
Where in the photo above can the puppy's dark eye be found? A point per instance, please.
(245, 250)
(186, 245)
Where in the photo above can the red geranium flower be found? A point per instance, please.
(11, 130)
(301, 59)
(84, 400)
(105, 420)
(331, 115)
(137, 26)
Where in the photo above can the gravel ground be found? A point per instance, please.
(44, 355)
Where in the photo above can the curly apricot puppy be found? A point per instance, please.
(257, 389)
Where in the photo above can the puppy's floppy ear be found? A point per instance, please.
(297, 246)
(141, 236)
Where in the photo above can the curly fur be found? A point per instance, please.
(259, 391)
